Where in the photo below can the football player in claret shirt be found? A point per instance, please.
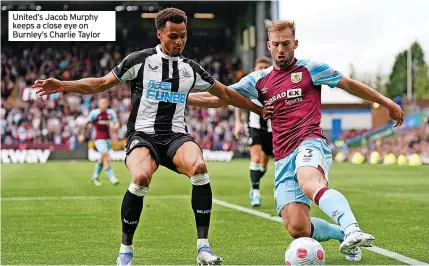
(101, 119)
(301, 151)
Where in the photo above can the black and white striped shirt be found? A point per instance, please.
(160, 85)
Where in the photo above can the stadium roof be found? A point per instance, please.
(336, 95)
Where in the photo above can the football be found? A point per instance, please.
(305, 251)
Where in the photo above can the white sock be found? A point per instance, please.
(257, 193)
(202, 242)
(126, 249)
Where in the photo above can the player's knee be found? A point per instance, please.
(199, 167)
(142, 179)
(297, 230)
(256, 159)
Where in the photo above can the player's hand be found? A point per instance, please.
(396, 113)
(81, 138)
(267, 111)
(47, 86)
(237, 129)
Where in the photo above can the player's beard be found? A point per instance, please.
(285, 63)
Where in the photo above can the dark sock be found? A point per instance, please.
(202, 206)
(255, 176)
(131, 210)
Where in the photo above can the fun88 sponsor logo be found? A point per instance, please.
(161, 91)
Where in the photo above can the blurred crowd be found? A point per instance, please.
(59, 119)
(404, 147)
(26, 118)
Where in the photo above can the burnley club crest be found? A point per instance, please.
(296, 77)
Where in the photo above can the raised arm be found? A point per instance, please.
(232, 97)
(365, 92)
(323, 74)
(82, 86)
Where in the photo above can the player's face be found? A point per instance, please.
(282, 45)
(173, 38)
(103, 104)
(261, 66)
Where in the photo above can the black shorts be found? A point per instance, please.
(263, 138)
(162, 147)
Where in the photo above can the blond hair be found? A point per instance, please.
(281, 25)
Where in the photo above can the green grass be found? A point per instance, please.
(391, 202)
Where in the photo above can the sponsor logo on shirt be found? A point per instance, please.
(294, 93)
(161, 91)
(151, 68)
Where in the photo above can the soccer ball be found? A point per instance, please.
(305, 251)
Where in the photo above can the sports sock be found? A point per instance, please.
(132, 206)
(109, 172)
(336, 206)
(97, 169)
(255, 175)
(321, 230)
(202, 206)
(263, 170)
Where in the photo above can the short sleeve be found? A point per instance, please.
(321, 73)
(247, 86)
(129, 67)
(203, 80)
(113, 115)
(92, 115)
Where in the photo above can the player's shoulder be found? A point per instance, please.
(111, 111)
(95, 111)
(140, 56)
(311, 64)
(258, 74)
(191, 62)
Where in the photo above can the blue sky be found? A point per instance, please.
(367, 33)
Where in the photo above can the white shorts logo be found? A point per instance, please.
(134, 143)
(294, 93)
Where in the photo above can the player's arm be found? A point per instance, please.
(205, 82)
(127, 70)
(205, 99)
(85, 129)
(115, 123)
(322, 74)
(82, 86)
(238, 124)
(232, 97)
(365, 92)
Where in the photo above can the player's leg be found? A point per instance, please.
(99, 145)
(313, 162)
(141, 164)
(256, 173)
(107, 167)
(294, 206)
(97, 170)
(188, 159)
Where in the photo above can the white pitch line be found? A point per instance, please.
(268, 216)
(88, 197)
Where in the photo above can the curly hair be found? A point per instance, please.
(170, 14)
